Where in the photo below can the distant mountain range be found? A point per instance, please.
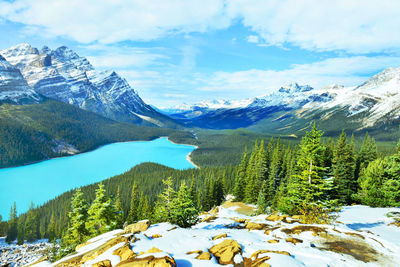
(29, 75)
(288, 110)
(61, 74)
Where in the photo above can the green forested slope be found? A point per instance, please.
(31, 133)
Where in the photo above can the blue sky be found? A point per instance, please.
(186, 51)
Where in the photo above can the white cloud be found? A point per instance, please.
(343, 70)
(112, 21)
(253, 39)
(124, 57)
(357, 26)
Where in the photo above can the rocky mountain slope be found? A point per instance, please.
(63, 75)
(13, 87)
(289, 109)
(230, 235)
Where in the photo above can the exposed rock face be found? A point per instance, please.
(148, 261)
(125, 253)
(105, 263)
(256, 226)
(226, 251)
(63, 75)
(13, 87)
(137, 227)
(219, 236)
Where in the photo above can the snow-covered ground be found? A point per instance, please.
(363, 236)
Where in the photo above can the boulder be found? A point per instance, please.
(262, 251)
(137, 227)
(273, 241)
(156, 236)
(304, 228)
(226, 251)
(294, 240)
(152, 250)
(275, 218)
(149, 261)
(239, 220)
(215, 211)
(105, 263)
(256, 226)
(124, 252)
(219, 236)
(204, 256)
(209, 218)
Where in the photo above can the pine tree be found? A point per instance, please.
(165, 203)
(218, 192)
(240, 178)
(307, 186)
(52, 229)
(133, 211)
(251, 181)
(21, 231)
(101, 213)
(263, 195)
(193, 192)
(77, 233)
(12, 224)
(184, 212)
(119, 216)
(367, 154)
(343, 170)
(274, 172)
(31, 225)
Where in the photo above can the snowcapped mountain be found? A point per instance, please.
(13, 87)
(63, 75)
(292, 107)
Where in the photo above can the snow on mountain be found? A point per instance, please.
(231, 235)
(63, 75)
(13, 87)
(379, 97)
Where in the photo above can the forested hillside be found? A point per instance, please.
(30, 133)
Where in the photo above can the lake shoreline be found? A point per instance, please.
(189, 156)
(98, 147)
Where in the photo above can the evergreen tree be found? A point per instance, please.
(52, 228)
(31, 225)
(193, 192)
(218, 192)
(367, 154)
(263, 195)
(12, 224)
(119, 216)
(101, 213)
(307, 186)
(251, 181)
(21, 231)
(274, 172)
(184, 211)
(165, 204)
(133, 211)
(77, 233)
(343, 170)
(241, 178)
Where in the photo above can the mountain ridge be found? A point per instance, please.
(63, 75)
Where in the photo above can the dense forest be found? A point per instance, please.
(317, 175)
(30, 133)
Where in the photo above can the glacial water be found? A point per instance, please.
(45, 180)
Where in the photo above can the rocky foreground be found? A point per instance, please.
(228, 235)
(14, 255)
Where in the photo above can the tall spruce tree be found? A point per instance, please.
(240, 185)
(134, 204)
(184, 212)
(343, 170)
(101, 213)
(12, 224)
(252, 184)
(307, 186)
(31, 224)
(77, 232)
(165, 203)
(274, 172)
(119, 216)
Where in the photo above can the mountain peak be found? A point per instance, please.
(294, 87)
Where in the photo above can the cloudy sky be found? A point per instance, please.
(174, 51)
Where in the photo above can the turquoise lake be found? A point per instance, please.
(45, 180)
